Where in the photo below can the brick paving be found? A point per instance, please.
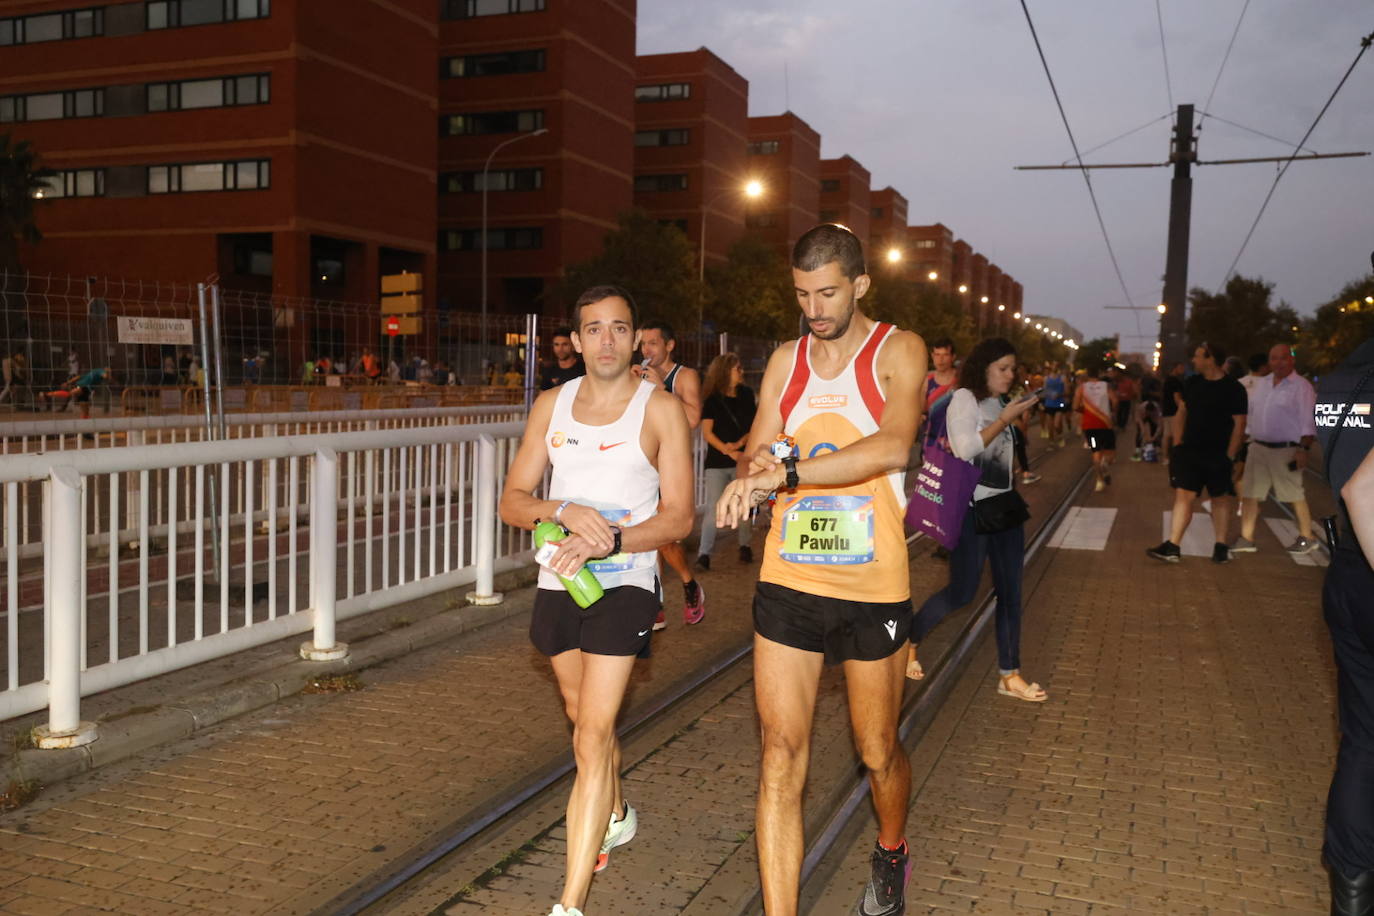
(1180, 765)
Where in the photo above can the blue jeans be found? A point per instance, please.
(1006, 550)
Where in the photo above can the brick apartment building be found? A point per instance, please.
(509, 68)
(887, 222)
(930, 250)
(846, 197)
(690, 159)
(261, 140)
(784, 154)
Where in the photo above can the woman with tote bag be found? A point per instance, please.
(979, 424)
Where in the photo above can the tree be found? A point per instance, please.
(920, 307)
(1094, 352)
(752, 293)
(1240, 319)
(652, 261)
(1339, 326)
(20, 180)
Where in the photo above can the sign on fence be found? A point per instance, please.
(155, 331)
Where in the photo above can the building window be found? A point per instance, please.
(925, 243)
(497, 180)
(491, 122)
(661, 182)
(523, 239)
(74, 183)
(50, 106)
(663, 92)
(176, 14)
(254, 89)
(876, 212)
(27, 30)
(761, 220)
(492, 64)
(829, 185)
(676, 137)
(470, 9)
(240, 175)
(763, 148)
(830, 216)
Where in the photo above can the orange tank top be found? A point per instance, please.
(843, 542)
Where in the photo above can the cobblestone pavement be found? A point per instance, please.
(1180, 765)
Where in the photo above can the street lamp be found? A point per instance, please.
(894, 255)
(932, 276)
(1161, 308)
(963, 288)
(486, 168)
(753, 189)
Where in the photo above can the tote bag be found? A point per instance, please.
(944, 486)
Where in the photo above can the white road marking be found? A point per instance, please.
(1084, 529)
(1287, 532)
(1199, 539)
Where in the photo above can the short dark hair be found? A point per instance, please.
(563, 331)
(595, 294)
(973, 374)
(1093, 370)
(662, 327)
(820, 245)
(1258, 361)
(942, 343)
(1217, 353)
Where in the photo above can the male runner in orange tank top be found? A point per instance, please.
(835, 582)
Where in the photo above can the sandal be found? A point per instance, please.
(1031, 693)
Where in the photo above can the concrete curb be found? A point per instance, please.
(145, 728)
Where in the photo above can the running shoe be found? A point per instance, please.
(1099, 486)
(660, 622)
(618, 833)
(746, 554)
(1168, 552)
(1029, 477)
(1221, 553)
(695, 597)
(704, 562)
(559, 911)
(1135, 455)
(1302, 545)
(1243, 545)
(886, 891)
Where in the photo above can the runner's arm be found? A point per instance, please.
(521, 508)
(1180, 421)
(1358, 494)
(687, 389)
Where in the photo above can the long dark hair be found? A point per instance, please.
(973, 374)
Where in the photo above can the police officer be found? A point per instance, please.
(1345, 426)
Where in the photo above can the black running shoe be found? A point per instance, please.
(886, 891)
(746, 554)
(1221, 553)
(1168, 552)
(704, 562)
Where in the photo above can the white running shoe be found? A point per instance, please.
(618, 833)
(559, 911)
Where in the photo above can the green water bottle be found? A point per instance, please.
(582, 586)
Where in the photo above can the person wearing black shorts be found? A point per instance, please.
(1209, 429)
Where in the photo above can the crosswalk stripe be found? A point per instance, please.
(1287, 533)
(1198, 540)
(1084, 528)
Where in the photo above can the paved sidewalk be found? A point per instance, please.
(1181, 763)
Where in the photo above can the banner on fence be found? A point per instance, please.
(155, 331)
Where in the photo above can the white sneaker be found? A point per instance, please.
(618, 833)
(1099, 486)
(559, 911)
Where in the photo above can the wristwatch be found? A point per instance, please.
(790, 463)
(615, 548)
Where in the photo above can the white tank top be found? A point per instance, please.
(1095, 396)
(604, 467)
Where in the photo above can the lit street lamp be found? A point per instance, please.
(482, 344)
(753, 189)
(894, 255)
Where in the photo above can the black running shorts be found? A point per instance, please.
(1101, 440)
(1190, 469)
(618, 624)
(842, 630)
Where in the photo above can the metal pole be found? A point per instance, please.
(724, 342)
(218, 338)
(484, 482)
(324, 551)
(209, 429)
(64, 552)
(1173, 323)
(531, 358)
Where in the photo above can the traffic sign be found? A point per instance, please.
(393, 326)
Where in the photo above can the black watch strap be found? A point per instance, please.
(790, 463)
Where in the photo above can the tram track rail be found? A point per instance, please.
(528, 800)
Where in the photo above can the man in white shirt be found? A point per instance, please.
(1281, 431)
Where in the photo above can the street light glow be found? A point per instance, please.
(1161, 308)
(1001, 308)
(984, 300)
(894, 255)
(1016, 315)
(753, 188)
(1159, 344)
(933, 276)
(963, 288)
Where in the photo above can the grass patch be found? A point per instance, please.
(18, 793)
(333, 683)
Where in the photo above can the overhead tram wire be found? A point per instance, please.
(1258, 133)
(1364, 46)
(1133, 130)
(1078, 157)
(1164, 49)
(1224, 58)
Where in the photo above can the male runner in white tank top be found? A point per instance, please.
(835, 587)
(622, 485)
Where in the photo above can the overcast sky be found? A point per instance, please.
(940, 98)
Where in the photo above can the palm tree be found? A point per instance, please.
(20, 181)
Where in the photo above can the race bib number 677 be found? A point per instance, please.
(828, 530)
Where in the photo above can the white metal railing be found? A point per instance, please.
(219, 531)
